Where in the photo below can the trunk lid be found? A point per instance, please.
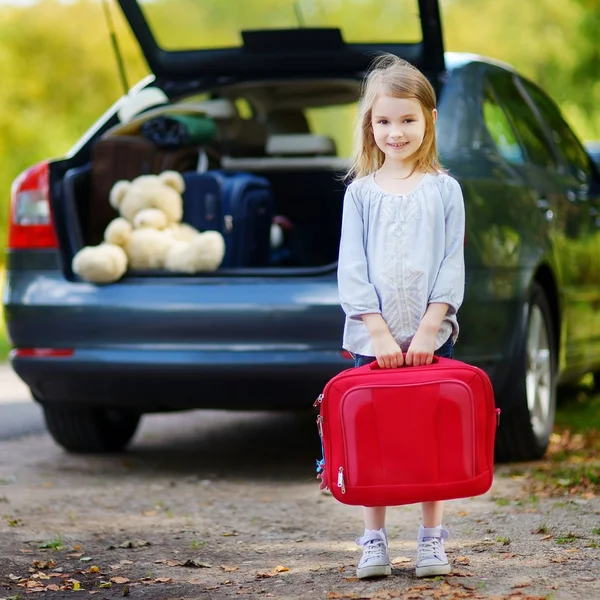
(185, 40)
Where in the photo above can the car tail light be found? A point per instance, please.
(30, 222)
(42, 352)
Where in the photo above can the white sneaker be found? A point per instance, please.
(375, 561)
(431, 556)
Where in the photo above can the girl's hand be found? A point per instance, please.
(421, 349)
(387, 352)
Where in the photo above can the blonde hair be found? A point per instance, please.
(395, 77)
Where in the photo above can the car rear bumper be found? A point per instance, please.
(176, 379)
(164, 379)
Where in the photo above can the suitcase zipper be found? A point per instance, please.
(318, 400)
(320, 425)
(498, 411)
(340, 482)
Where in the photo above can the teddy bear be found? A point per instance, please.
(149, 233)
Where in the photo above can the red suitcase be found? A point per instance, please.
(406, 435)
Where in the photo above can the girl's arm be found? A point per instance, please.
(449, 286)
(357, 294)
(448, 290)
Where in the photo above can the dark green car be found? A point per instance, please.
(97, 357)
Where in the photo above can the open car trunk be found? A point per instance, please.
(280, 105)
(274, 142)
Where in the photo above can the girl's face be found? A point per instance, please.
(398, 126)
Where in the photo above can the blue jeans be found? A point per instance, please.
(444, 351)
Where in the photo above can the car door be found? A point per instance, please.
(581, 263)
(566, 217)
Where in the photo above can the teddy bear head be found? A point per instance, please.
(150, 200)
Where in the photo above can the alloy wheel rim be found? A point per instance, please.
(538, 378)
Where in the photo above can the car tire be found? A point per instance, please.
(91, 430)
(530, 394)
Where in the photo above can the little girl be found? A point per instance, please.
(401, 263)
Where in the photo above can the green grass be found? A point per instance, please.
(580, 412)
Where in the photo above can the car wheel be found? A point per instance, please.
(90, 430)
(530, 395)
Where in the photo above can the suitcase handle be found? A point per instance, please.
(374, 366)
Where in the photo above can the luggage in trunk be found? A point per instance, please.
(239, 205)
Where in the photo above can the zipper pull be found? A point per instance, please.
(340, 482)
(320, 425)
(498, 411)
(318, 400)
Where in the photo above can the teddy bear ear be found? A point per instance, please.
(173, 179)
(117, 193)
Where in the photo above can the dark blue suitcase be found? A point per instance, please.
(202, 205)
(239, 205)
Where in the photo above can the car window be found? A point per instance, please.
(567, 142)
(336, 122)
(526, 124)
(500, 129)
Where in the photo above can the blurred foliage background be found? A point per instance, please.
(58, 73)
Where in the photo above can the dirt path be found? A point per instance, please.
(220, 506)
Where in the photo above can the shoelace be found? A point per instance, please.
(373, 547)
(431, 547)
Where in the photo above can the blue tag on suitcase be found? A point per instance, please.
(239, 205)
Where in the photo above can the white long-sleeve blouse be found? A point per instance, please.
(399, 253)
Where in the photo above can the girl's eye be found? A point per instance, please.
(382, 122)
(409, 120)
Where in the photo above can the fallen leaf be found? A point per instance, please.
(85, 558)
(149, 513)
(462, 560)
(399, 560)
(462, 513)
(280, 569)
(192, 562)
(264, 575)
(173, 563)
(196, 581)
(521, 585)
(75, 555)
(119, 580)
(94, 569)
(134, 544)
(163, 579)
(229, 534)
(229, 569)
(105, 585)
(41, 564)
(53, 587)
(547, 537)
